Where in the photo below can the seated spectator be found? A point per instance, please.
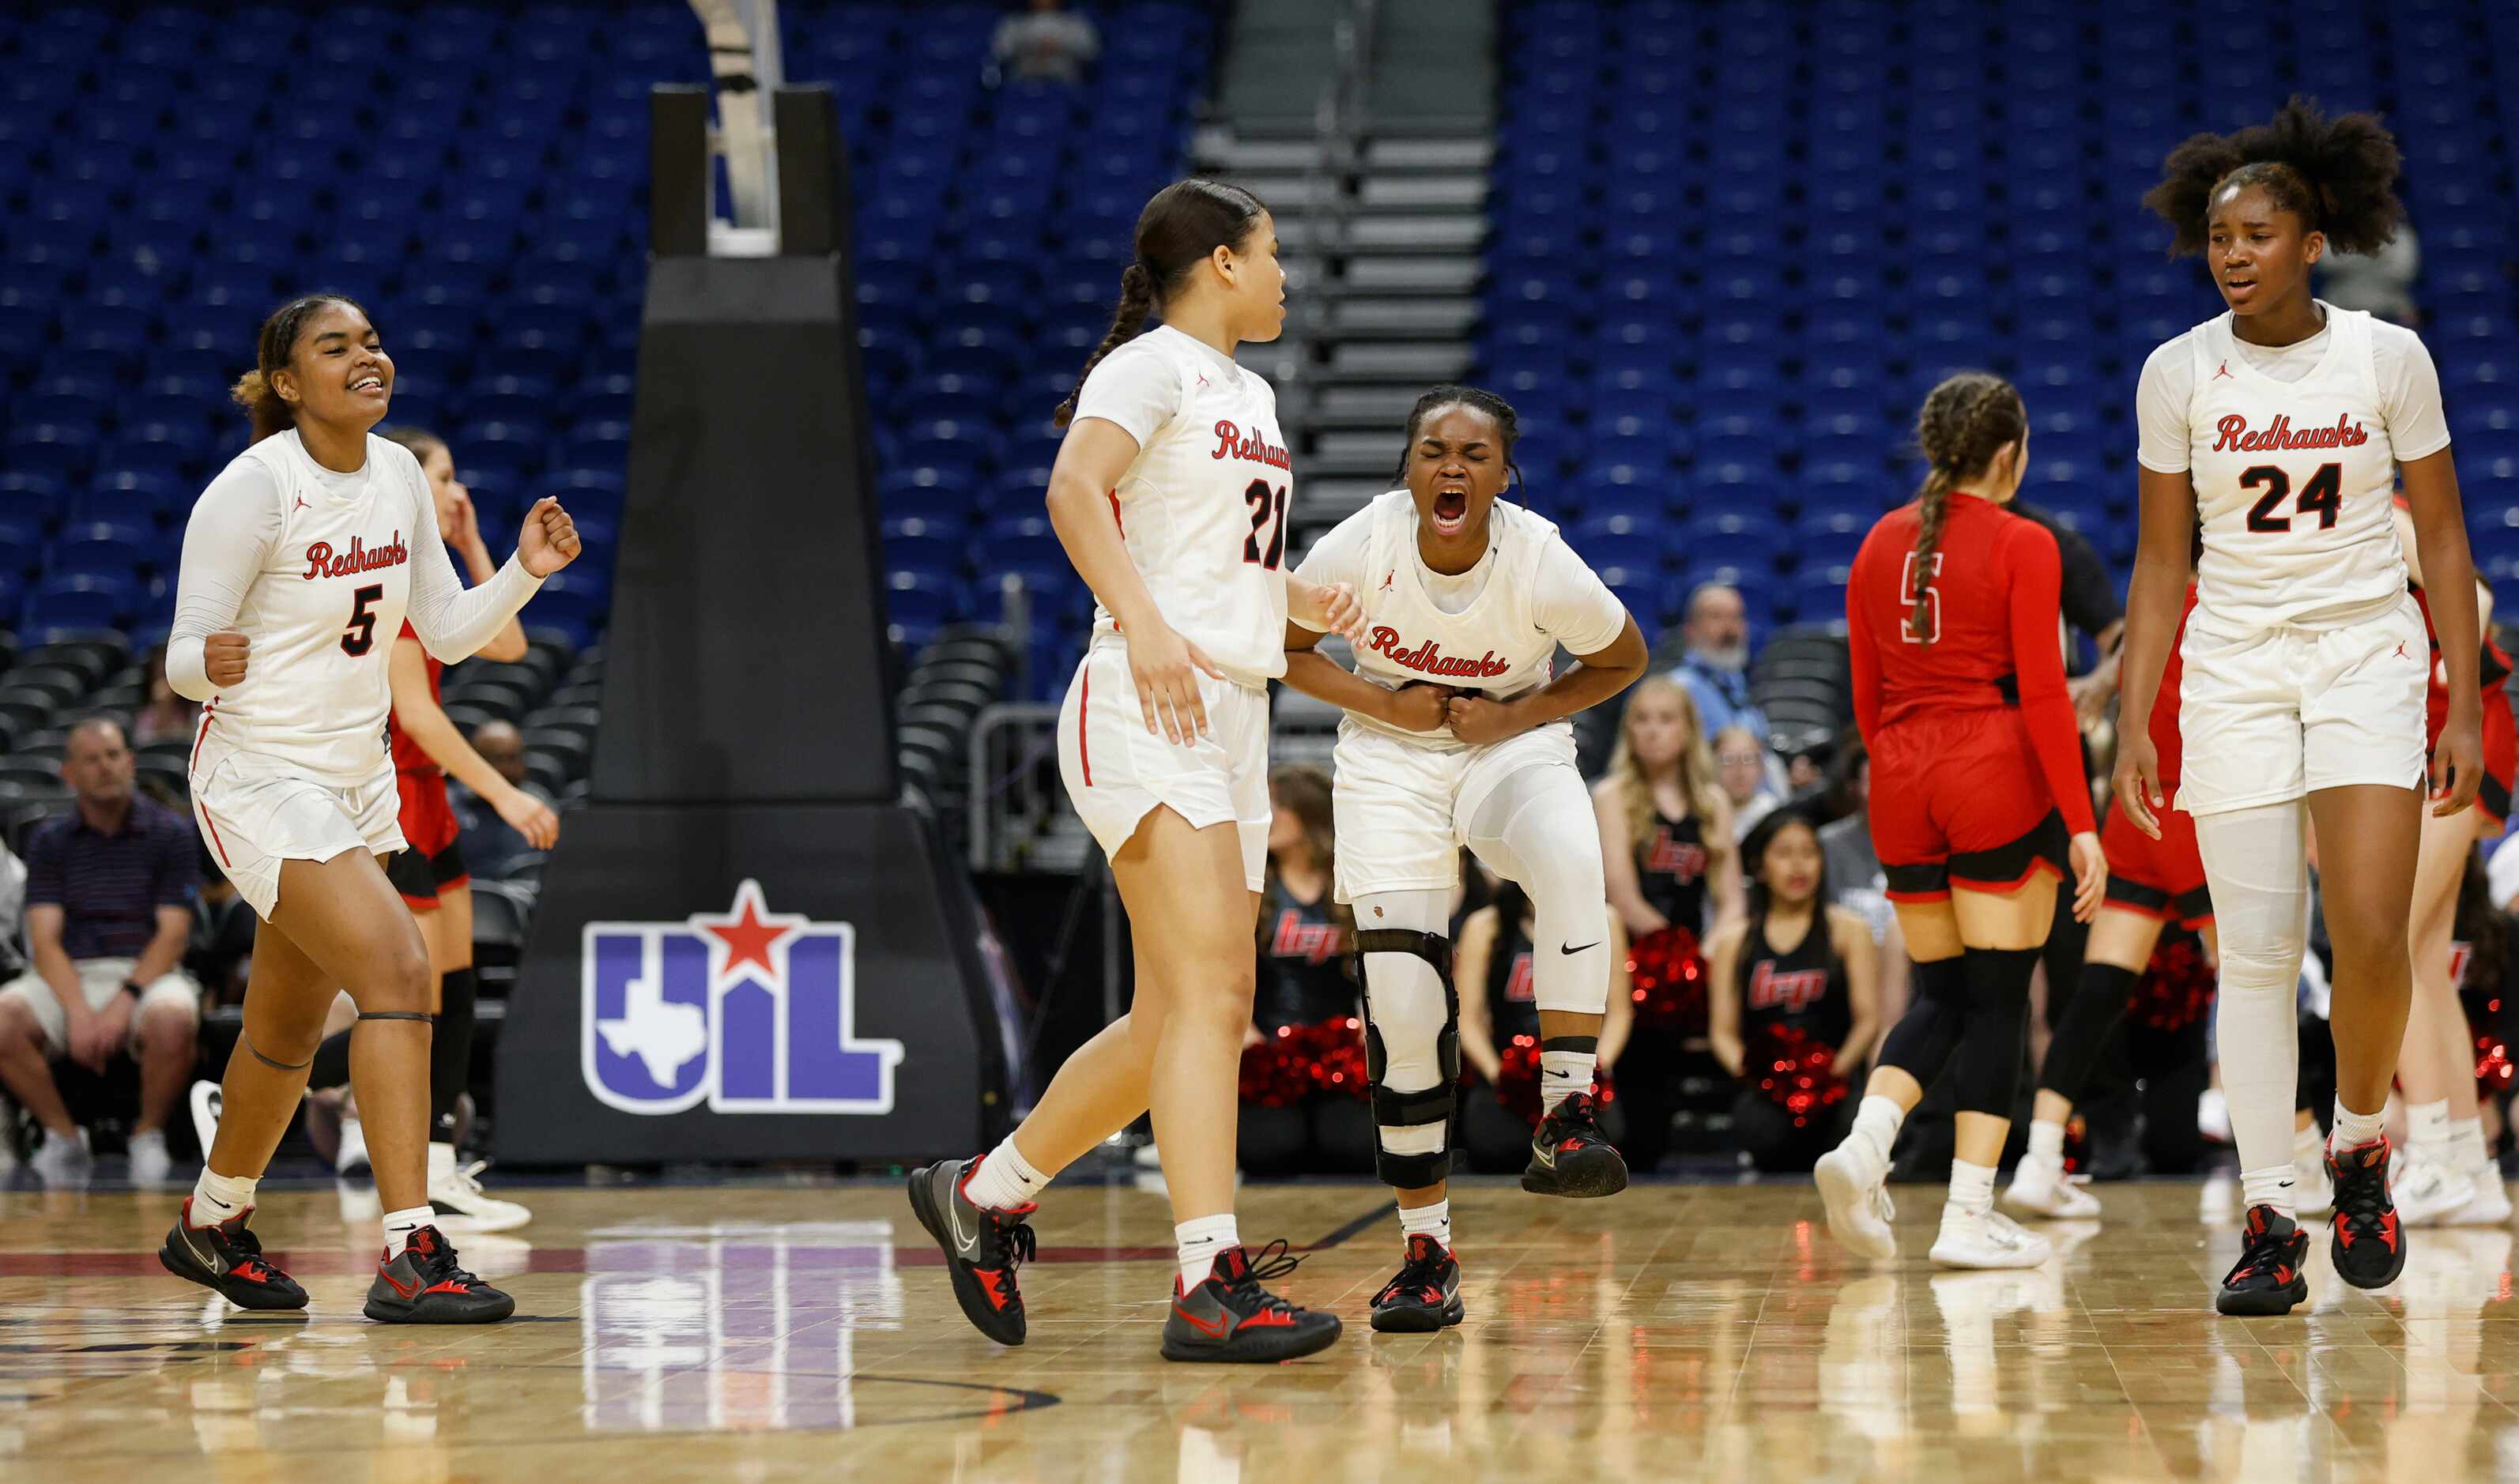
(1716, 668)
(490, 845)
(2381, 282)
(1740, 764)
(165, 717)
(1796, 978)
(110, 893)
(1667, 846)
(13, 901)
(1302, 983)
(1045, 45)
(1499, 1103)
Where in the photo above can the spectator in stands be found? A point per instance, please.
(1047, 44)
(1716, 667)
(2381, 282)
(1303, 983)
(1853, 868)
(491, 845)
(166, 716)
(109, 892)
(13, 900)
(1740, 766)
(1667, 850)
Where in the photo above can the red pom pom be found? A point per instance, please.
(1666, 975)
(1797, 1073)
(2177, 987)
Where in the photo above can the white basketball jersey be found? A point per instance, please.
(1204, 506)
(2293, 482)
(1494, 647)
(321, 615)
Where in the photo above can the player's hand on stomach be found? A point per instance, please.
(530, 817)
(2138, 779)
(1419, 706)
(2090, 875)
(549, 541)
(223, 657)
(1478, 720)
(1166, 667)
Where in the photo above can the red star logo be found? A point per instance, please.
(747, 931)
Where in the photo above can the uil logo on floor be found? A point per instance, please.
(749, 1011)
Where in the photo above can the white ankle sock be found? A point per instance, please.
(1562, 1075)
(218, 1197)
(399, 1225)
(2427, 1125)
(1004, 1180)
(1200, 1239)
(2466, 1146)
(1972, 1187)
(1875, 1126)
(1434, 1221)
(2046, 1142)
(2271, 1187)
(2352, 1130)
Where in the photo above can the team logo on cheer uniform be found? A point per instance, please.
(749, 1011)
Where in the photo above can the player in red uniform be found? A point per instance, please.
(1959, 687)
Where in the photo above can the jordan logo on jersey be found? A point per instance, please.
(1429, 658)
(1674, 857)
(322, 562)
(2223, 372)
(1792, 993)
(2238, 438)
(1254, 448)
(1314, 942)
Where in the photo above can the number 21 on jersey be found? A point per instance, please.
(1924, 603)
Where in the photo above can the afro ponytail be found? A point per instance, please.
(2338, 175)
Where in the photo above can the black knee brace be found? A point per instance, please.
(1433, 1105)
(1920, 1043)
(1986, 1070)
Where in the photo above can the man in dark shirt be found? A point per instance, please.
(110, 893)
(490, 845)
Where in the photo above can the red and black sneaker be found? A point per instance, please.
(426, 1286)
(229, 1259)
(982, 1247)
(1426, 1293)
(2271, 1275)
(1230, 1317)
(2369, 1249)
(1570, 1155)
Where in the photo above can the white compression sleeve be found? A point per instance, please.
(1537, 830)
(2259, 873)
(1405, 997)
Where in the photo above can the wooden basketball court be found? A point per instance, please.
(774, 1332)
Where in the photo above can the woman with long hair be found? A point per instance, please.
(1304, 948)
(1978, 806)
(301, 561)
(2279, 430)
(1666, 849)
(1795, 976)
(1171, 496)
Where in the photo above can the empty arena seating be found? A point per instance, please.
(1734, 244)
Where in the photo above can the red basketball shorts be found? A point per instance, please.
(1957, 800)
(2160, 878)
(2501, 746)
(430, 863)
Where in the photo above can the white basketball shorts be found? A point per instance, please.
(2278, 713)
(1404, 810)
(1117, 772)
(257, 812)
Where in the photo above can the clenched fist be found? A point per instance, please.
(223, 658)
(549, 541)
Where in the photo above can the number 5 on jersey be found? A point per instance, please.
(1923, 604)
(1268, 516)
(361, 635)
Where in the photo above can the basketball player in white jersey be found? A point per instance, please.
(301, 561)
(1171, 496)
(2280, 428)
(1455, 735)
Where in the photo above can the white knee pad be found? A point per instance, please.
(1413, 1049)
(2257, 869)
(1537, 830)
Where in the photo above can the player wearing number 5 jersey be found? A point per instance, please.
(2277, 430)
(301, 563)
(1171, 496)
(1978, 804)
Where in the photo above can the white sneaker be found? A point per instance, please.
(1859, 1208)
(2315, 1187)
(2490, 1206)
(2041, 1188)
(150, 1164)
(206, 1101)
(350, 1160)
(2213, 1115)
(1991, 1240)
(455, 1190)
(62, 1159)
(2428, 1187)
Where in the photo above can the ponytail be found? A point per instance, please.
(269, 412)
(1136, 301)
(1966, 422)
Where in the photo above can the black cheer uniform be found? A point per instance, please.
(1303, 982)
(1802, 992)
(1670, 870)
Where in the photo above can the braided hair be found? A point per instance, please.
(1966, 422)
(1477, 398)
(2337, 175)
(1184, 224)
(254, 391)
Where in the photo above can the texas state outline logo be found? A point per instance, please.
(747, 1009)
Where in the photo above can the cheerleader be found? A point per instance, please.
(2280, 428)
(1303, 983)
(1171, 496)
(301, 563)
(1796, 976)
(1958, 687)
(1455, 734)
